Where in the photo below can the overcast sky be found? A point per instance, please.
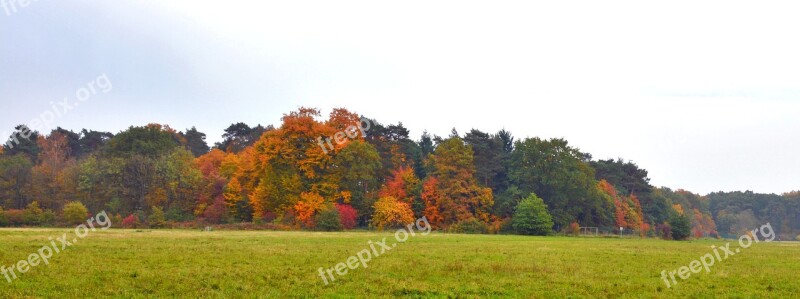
(704, 96)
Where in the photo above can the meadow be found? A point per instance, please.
(267, 264)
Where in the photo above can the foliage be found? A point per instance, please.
(390, 213)
(458, 196)
(15, 217)
(664, 231)
(532, 218)
(288, 174)
(156, 218)
(469, 226)
(132, 221)
(48, 218)
(681, 227)
(574, 229)
(329, 219)
(75, 212)
(347, 215)
(32, 214)
(560, 175)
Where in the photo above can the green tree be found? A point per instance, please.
(532, 218)
(561, 176)
(355, 169)
(681, 226)
(22, 141)
(328, 219)
(239, 136)
(3, 218)
(32, 215)
(156, 218)
(488, 156)
(92, 141)
(75, 212)
(195, 141)
(15, 180)
(149, 141)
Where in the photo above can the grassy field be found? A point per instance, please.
(181, 263)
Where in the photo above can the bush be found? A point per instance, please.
(15, 217)
(75, 212)
(156, 219)
(470, 226)
(681, 227)
(664, 231)
(798, 238)
(390, 212)
(574, 229)
(532, 218)
(328, 220)
(132, 221)
(506, 226)
(176, 215)
(116, 220)
(347, 216)
(3, 218)
(48, 218)
(32, 215)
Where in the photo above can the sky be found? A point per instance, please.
(705, 96)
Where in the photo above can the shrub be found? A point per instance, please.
(470, 226)
(15, 217)
(574, 229)
(116, 219)
(328, 220)
(32, 215)
(48, 218)
(75, 212)
(156, 219)
(532, 218)
(347, 216)
(132, 221)
(216, 212)
(681, 227)
(390, 212)
(3, 218)
(506, 226)
(664, 231)
(798, 238)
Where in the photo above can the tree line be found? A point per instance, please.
(377, 177)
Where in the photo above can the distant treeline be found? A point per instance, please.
(349, 171)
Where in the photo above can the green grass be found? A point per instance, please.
(181, 263)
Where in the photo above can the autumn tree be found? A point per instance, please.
(51, 184)
(390, 212)
(462, 199)
(355, 170)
